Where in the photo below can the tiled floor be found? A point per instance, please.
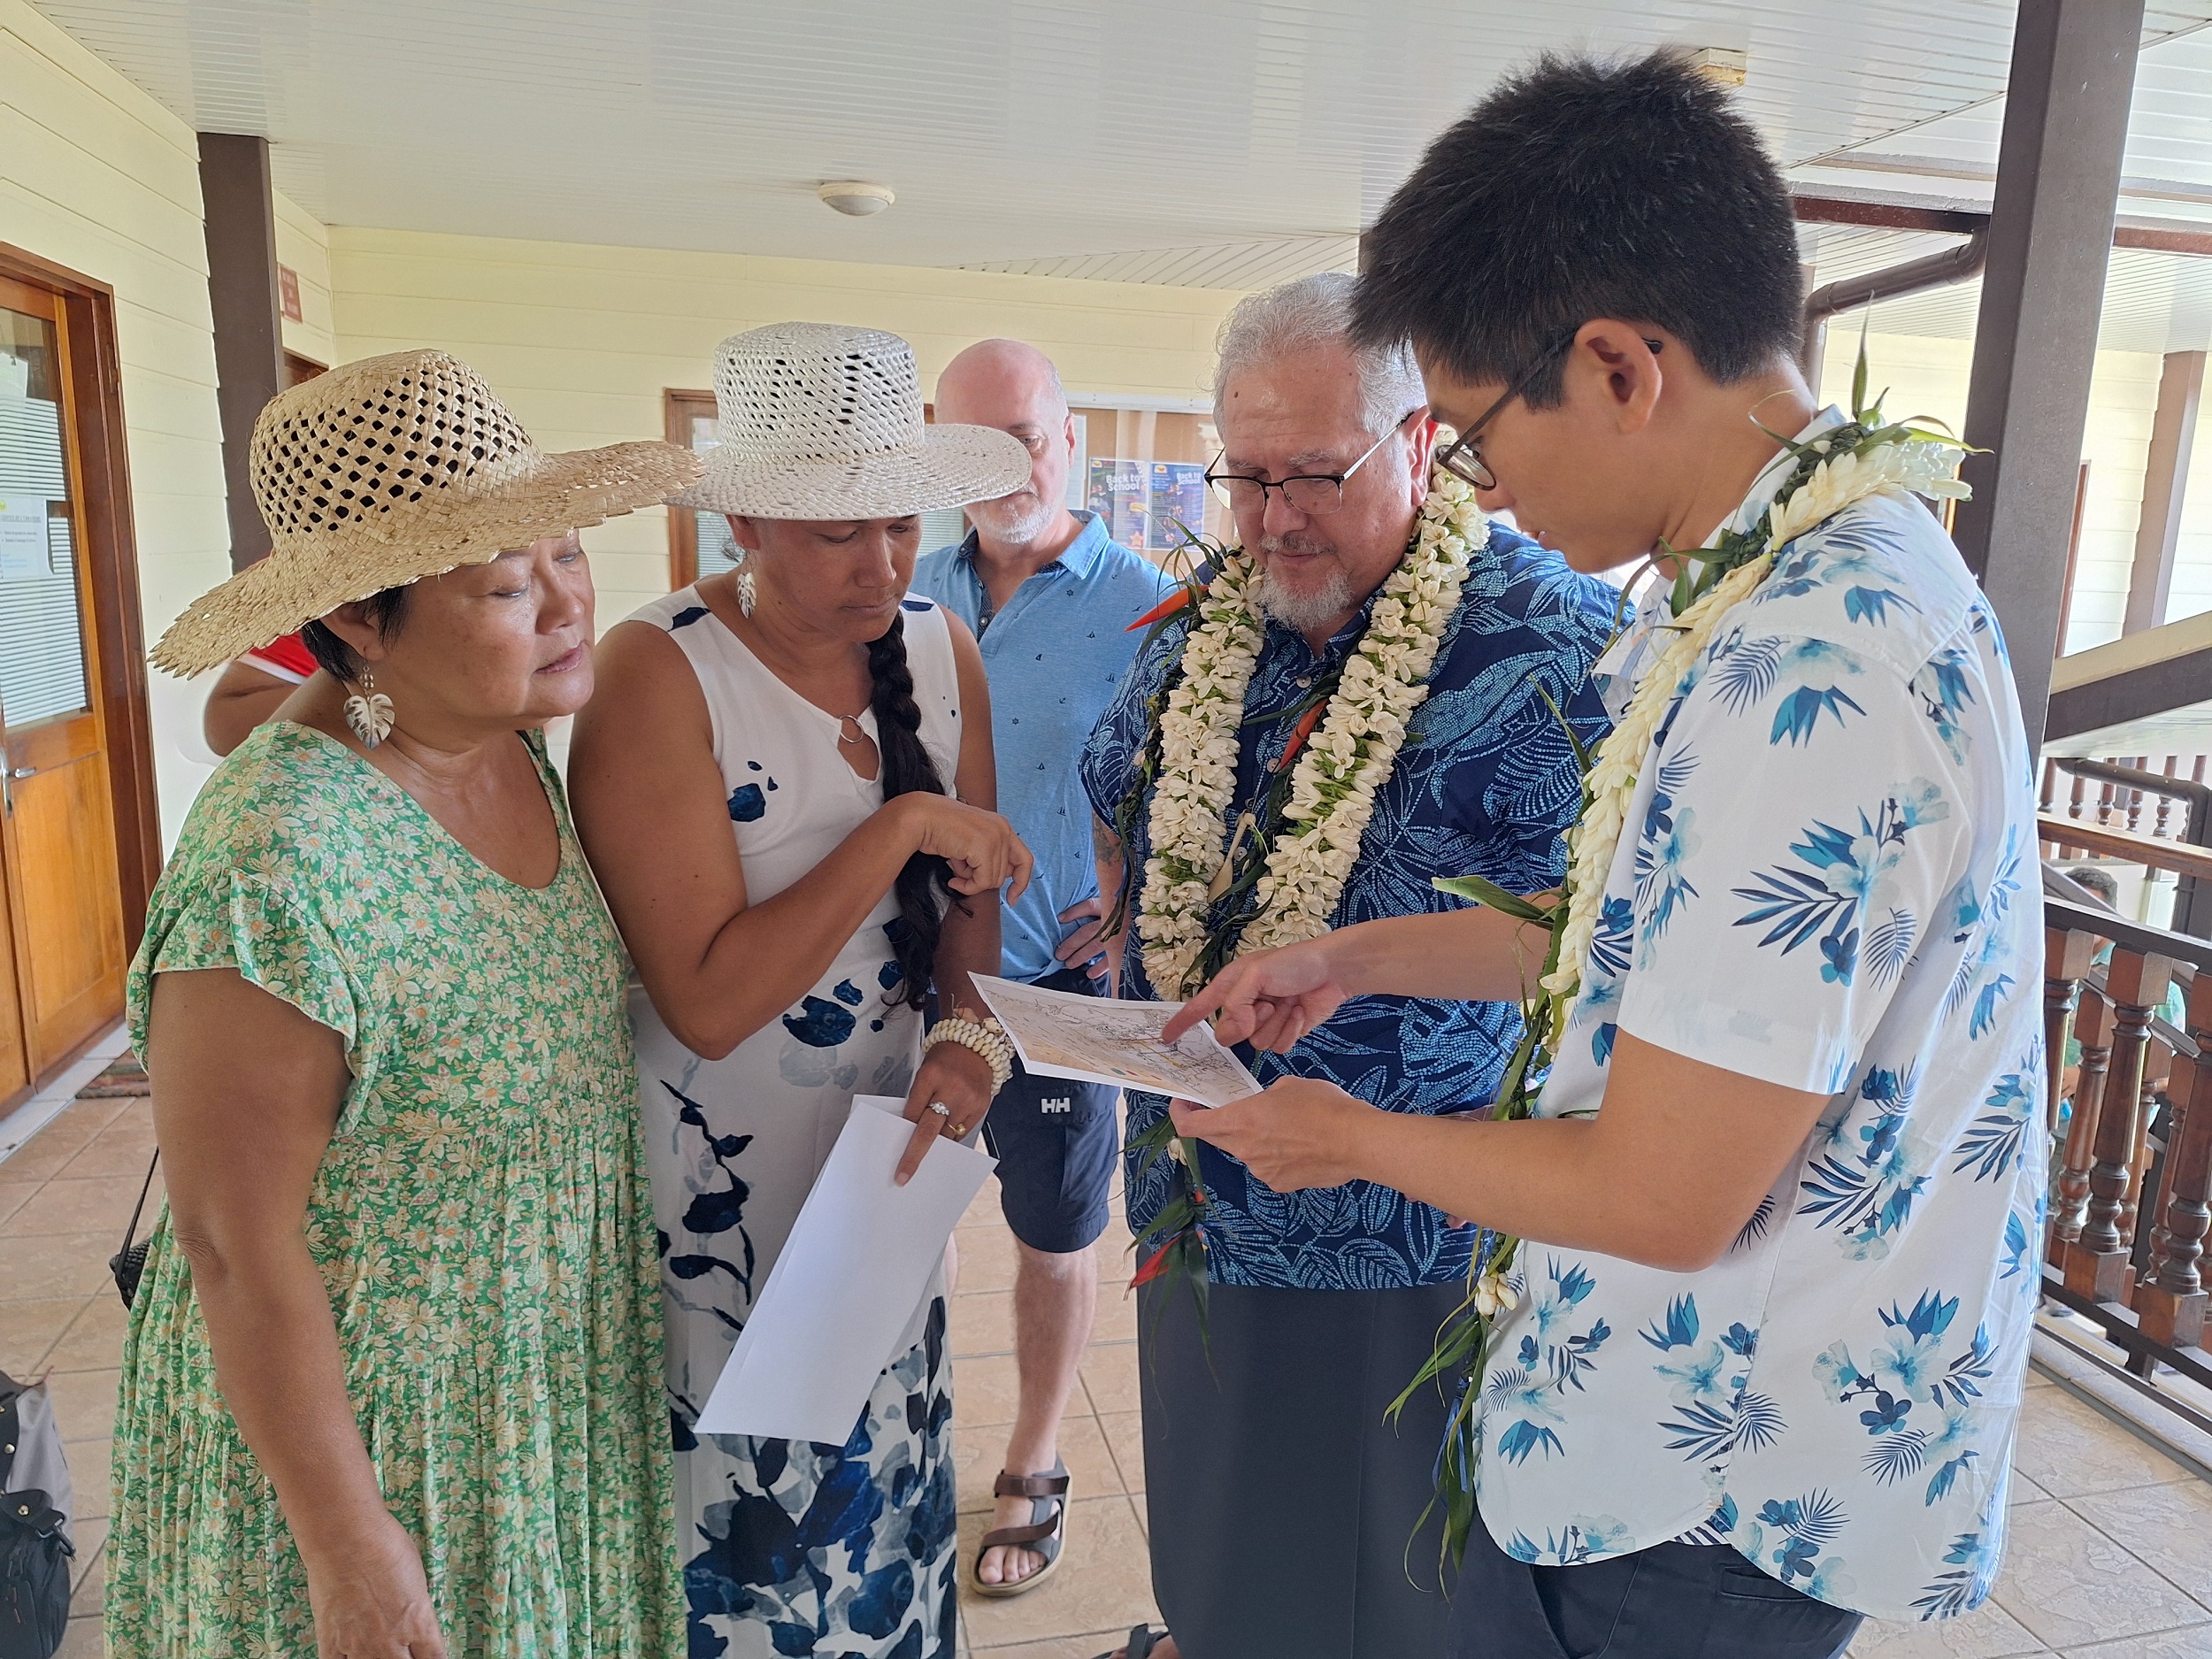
(66, 1194)
(1105, 1585)
(2111, 1554)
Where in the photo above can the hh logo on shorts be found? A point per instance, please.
(1062, 1104)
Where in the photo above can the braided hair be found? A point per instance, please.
(905, 767)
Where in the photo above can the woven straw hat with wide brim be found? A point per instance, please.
(385, 470)
(818, 421)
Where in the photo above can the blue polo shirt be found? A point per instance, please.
(1053, 657)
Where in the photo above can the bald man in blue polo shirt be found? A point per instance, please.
(1049, 596)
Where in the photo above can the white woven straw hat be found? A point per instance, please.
(818, 421)
(389, 470)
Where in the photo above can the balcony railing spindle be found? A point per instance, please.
(2092, 1029)
(2171, 1303)
(2067, 955)
(2096, 1263)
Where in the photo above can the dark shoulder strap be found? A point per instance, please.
(138, 1209)
(11, 1425)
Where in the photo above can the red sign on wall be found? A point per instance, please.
(288, 293)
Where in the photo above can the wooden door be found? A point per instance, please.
(58, 878)
(16, 1071)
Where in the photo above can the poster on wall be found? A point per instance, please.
(1177, 497)
(1118, 492)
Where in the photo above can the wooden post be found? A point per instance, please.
(2092, 1029)
(2172, 1305)
(241, 285)
(2165, 480)
(2097, 1263)
(2067, 93)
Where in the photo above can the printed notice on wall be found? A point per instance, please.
(24, 550)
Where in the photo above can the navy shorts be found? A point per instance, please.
(1055, 1142)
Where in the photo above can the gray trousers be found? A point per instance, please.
(1282, 1510)
(1670, 1602)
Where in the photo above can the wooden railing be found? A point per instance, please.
(2099, 793)
(2120, 809)
(2132, 1181)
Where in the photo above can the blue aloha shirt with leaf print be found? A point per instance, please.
(1486, 781)
(1828, 881)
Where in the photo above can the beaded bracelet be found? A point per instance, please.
(986, 1036)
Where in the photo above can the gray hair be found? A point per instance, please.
(1316, 311)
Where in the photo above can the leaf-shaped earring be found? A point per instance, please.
(748, 594)
(369, 712)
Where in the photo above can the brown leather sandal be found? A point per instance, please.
(1045, 1533)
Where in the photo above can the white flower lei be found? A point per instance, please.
(1345, 761)
(1919, 466)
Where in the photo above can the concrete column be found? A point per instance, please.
(2035, 341)
(241, 283)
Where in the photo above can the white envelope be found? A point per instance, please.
(845, 1286)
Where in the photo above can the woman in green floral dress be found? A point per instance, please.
(392, 1388)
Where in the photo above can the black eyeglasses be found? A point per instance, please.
(1313, 493)
(1461, 457)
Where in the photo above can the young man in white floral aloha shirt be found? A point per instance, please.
(1759, 1364)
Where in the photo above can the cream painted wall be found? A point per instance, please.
(303, 243)
(1928, 376)
(95, 176)
(581, 341)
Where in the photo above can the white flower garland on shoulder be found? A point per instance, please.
(1920, 466)
(1347, 759)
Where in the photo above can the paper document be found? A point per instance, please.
(846, 1285)
(1094, 1040)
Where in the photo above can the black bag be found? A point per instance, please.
(129, 1262)
(34, 1547)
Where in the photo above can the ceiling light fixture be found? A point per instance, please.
(856, 197)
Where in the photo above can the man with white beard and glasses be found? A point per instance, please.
(1049, 597)
(1373, 693)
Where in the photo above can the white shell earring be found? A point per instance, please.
(369, 712)
(748, 591)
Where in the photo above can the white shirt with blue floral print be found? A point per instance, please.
(1828, 881)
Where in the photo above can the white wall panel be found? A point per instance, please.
(97, 176)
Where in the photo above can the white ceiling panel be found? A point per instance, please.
(2169, 136)
(1256, 263)
(1221, 143)
(1013, 130)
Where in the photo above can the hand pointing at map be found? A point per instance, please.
(1271, 999)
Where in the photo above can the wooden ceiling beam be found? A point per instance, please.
(1891, 209)
(1886, 210)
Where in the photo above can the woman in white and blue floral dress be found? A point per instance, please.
(784, 784)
